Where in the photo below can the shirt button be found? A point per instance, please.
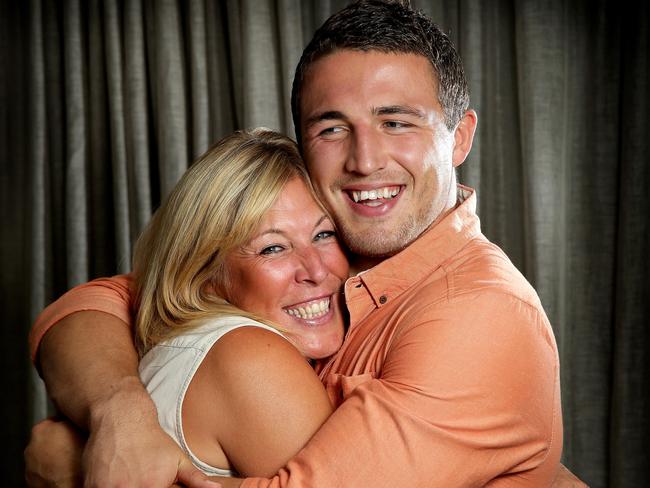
(383, 299)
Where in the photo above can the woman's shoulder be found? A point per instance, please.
(253, 346)
(254, 378)
(186, 351)
(249, 366)
(204, 336)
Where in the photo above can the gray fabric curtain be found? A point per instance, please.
(104, 103)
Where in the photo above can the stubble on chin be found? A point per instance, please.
(380, 242)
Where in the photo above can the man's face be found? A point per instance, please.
(376, 147)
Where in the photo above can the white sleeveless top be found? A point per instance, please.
(168, 368)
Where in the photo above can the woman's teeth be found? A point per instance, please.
(311, 310)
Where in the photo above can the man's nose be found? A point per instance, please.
(367, 153)
(311, 268)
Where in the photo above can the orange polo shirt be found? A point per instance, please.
(448, 376)
(109, 295)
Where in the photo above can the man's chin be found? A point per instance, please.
(384, 240)
(374, 246)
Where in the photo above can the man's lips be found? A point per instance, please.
(373, 201)
(373, 194)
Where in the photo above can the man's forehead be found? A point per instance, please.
(380, 56)
(351, 72)
(372, 60)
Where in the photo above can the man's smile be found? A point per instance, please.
(374, 197)
(373, 202)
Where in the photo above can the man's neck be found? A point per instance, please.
(359, 264)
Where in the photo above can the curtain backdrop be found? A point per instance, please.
(104, 103)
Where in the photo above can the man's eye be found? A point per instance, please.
(330, 131)
(394, 124)
(326, 234)
(271, 250)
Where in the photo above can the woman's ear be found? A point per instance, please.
(463, 137)
(217, 285)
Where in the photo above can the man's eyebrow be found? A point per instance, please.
(400, 110)
(329, 115)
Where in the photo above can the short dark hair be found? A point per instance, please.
(390, 27)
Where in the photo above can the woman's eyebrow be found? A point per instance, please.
(321, 220)
(269, 231)
(283, 233)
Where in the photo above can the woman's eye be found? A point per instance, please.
(324, 235)
(271, 250)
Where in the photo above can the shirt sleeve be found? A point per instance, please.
(109, 295)
(466, 395)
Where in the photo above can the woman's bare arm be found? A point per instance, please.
(259, 398)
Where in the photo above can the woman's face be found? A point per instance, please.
(292, 272)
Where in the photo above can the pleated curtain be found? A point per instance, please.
(104, 104)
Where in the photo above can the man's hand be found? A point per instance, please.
(53, 455)
(53, 459)
(90, 367)
(127, 447)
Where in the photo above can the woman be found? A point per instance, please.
(238, 282)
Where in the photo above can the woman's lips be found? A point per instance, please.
(313, 311)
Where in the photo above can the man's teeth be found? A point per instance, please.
(387, 192)
(311, 311)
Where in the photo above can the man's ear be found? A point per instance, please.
(463, 137)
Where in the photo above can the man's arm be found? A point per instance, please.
(89, 362)
(89, 365)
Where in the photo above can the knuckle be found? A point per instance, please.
(40, 426)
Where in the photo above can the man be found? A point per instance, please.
(449, 374)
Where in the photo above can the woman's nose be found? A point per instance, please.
(311, 268)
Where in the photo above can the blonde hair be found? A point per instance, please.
(216, 207)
